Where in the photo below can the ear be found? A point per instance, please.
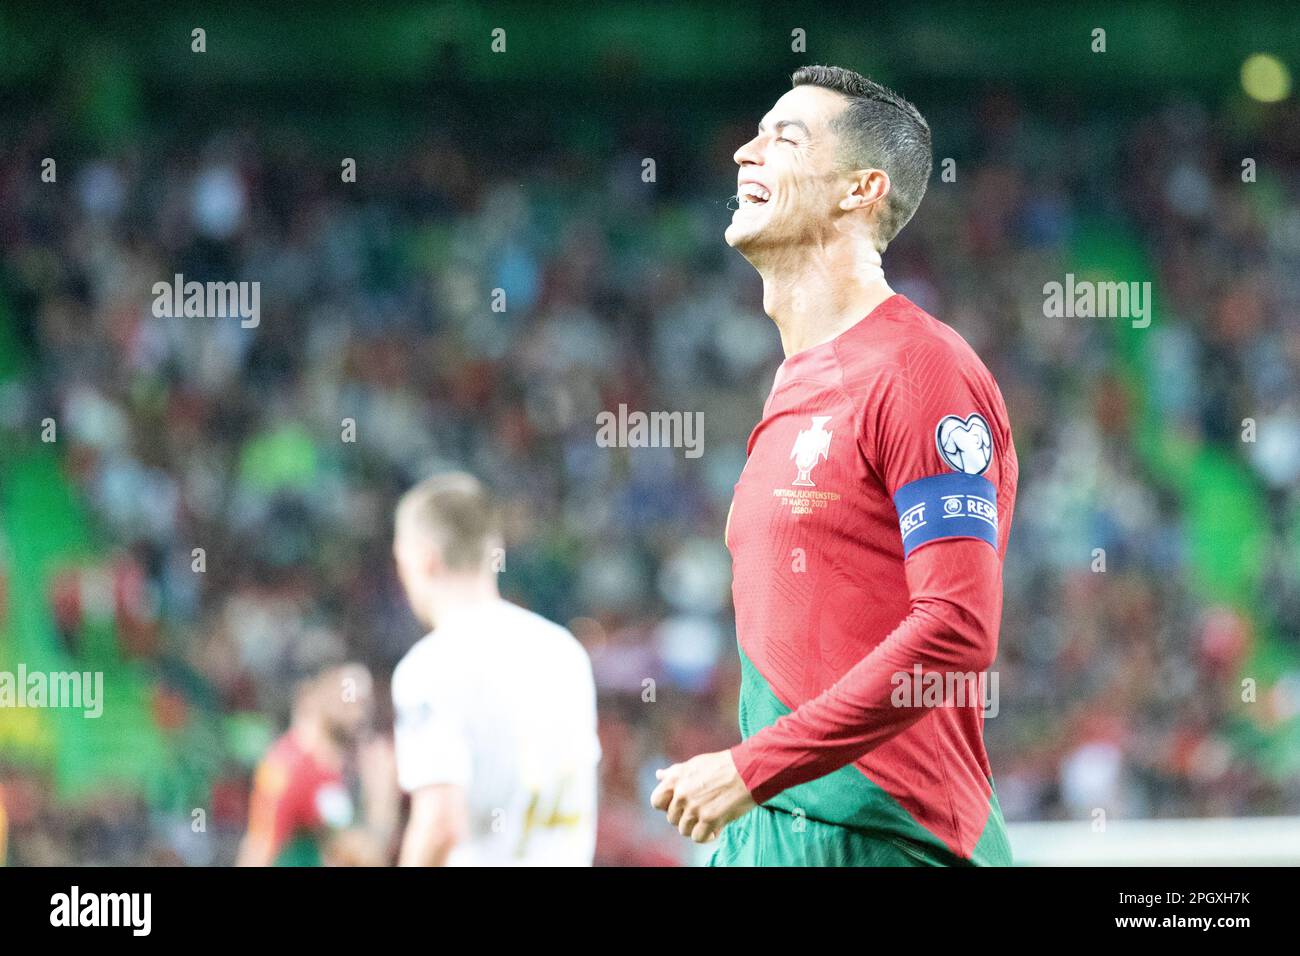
(432, 560)
(867, 188)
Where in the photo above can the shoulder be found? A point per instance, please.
(909, 368)
(544, 647)
(557, 638)
(279, 766)
(421, 665)
(905, 343)
(285, 750)
(520, 616)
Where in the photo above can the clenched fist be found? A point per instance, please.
(702, 795)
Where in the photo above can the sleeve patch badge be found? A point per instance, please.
(965, 445)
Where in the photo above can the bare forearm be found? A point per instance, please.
(426, 845)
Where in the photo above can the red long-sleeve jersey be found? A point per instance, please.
(867, 535)
(296, 803)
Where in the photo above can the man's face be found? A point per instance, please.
(347, 703)
(789, 181)
(414, 566)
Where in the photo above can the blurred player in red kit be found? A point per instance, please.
(868, 527)
(303, 811)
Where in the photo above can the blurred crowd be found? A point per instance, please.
(447, 310)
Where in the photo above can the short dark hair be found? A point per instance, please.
(880, 130)
(457, 514)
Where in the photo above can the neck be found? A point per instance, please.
(815, 294)
(314, 739)
(454, 592)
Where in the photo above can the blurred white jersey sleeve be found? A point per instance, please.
(501, 702)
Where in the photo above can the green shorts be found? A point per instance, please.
(766, 837)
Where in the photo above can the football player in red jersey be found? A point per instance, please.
(302, 811)
(868, 527)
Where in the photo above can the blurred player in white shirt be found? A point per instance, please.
(495, 707)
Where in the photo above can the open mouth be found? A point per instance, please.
(752, 194)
